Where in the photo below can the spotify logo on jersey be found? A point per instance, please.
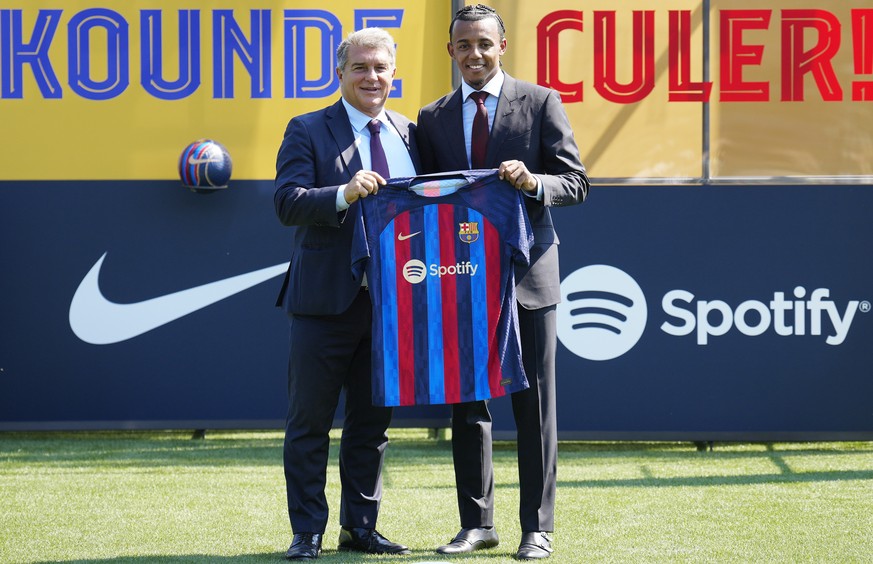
(414, 271)
(602, 313)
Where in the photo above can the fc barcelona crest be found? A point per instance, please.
(468, 231)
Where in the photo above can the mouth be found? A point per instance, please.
(476, 66)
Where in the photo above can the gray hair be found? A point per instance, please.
(370, 38)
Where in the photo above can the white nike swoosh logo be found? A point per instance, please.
(96, 320)
(402, 237)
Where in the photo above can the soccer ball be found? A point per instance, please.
(205, 166)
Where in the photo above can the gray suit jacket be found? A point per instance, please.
(317, 156)
(530, 125)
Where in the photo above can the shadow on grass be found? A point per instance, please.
(680, 448)
(417, 557)
(736, 480)
(144, 450)
(177, 448)
(189, 558)
(229, 449)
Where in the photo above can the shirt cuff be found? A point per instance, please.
(539, 195)
(341, 203)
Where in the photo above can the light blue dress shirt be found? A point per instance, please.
(399, 161)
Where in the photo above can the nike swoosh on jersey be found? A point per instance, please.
(402, 237)
(98, 321)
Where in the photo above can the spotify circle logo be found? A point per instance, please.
(414, 271)
(602, 313)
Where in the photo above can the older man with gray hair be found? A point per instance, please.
(327, 161)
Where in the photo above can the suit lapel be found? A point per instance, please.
(341, 131)
(451, 116)
(507, 104)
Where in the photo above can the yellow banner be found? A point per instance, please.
(789, 90)
(662, 91)
(116, 90)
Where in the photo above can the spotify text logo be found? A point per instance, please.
(602, 313)
(415, 271)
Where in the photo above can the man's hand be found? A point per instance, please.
(363, 183)
(518, 175)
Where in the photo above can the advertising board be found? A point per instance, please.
(728, 143)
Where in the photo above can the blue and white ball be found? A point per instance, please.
(205, 165)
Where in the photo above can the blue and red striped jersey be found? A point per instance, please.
(438, 252)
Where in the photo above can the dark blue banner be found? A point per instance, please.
(689, 313)
(715, 312)
(144, 305)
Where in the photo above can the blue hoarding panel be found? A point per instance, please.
(144, 305)
(715, 312)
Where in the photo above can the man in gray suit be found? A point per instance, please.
(328, 160)
(529, 140)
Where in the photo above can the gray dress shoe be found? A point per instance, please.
(534, 546)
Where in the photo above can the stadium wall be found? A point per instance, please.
(715, 284)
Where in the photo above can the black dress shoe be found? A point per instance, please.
(534, 546)
(305, 546)
(469, 540)
(369, 541)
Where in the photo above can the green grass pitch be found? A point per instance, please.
(161, 496)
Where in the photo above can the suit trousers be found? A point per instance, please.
(537, 436)
(329, 354)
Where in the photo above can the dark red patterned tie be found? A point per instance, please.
(479, 139)
(378, 160)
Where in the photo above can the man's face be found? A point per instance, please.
(476, 48)
(366, 79)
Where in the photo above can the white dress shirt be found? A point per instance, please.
(399, 161)
(493, 88)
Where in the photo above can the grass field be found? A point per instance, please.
(136, 497)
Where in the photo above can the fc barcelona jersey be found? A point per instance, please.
(438, 252)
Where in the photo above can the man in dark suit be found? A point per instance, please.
(327, 161)
(529, 140)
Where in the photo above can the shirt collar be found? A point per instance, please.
(359, 119)
(493, 87)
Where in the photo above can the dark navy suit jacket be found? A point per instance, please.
(318, 155)
(530, 125)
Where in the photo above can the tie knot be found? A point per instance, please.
(479, 97)
(375, 126)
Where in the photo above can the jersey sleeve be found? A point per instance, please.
(523, 238)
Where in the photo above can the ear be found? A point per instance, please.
(503, 46)
(451, 49)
